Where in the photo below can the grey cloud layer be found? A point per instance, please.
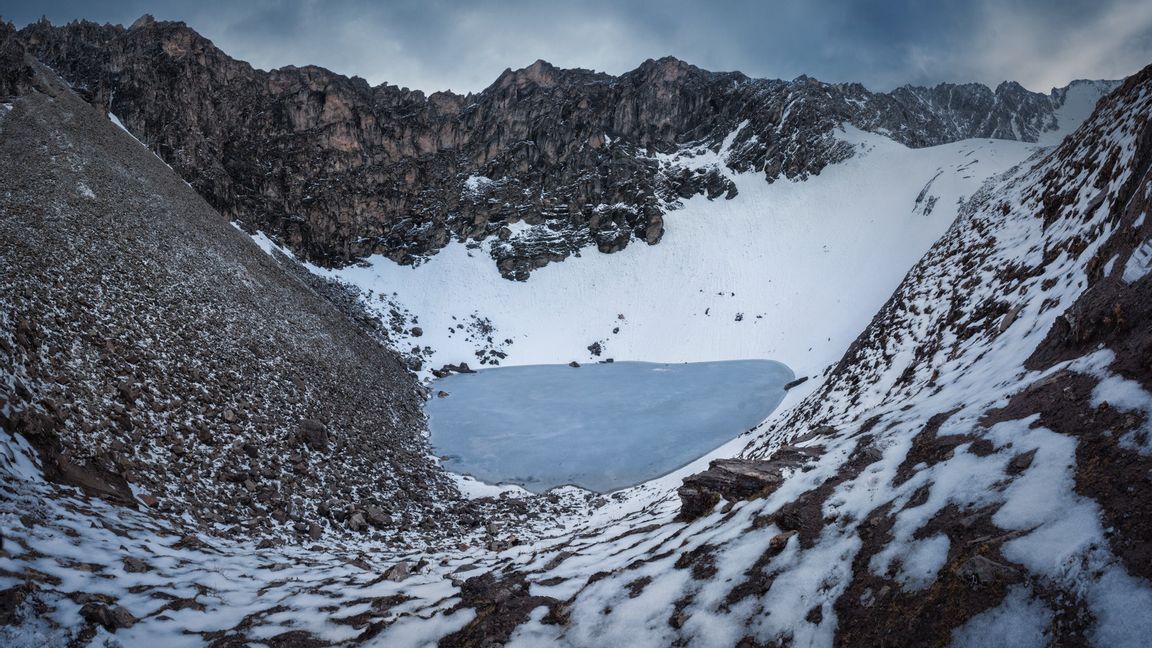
(463, 46)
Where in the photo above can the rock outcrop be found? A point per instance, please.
(738, 479)
(543, 163)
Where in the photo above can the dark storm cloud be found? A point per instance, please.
(438, 44)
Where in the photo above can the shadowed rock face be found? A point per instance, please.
(338, 170)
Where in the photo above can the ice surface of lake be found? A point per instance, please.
(601, 426)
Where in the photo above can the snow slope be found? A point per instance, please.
(983, 474)
(790, 271)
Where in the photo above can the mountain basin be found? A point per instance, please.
(602, 426)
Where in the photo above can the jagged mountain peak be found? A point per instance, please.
(301, 140)
(145, 20)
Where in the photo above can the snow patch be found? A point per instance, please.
(472, 488)
(1019, 621)
(1140, 263)
(476, 184)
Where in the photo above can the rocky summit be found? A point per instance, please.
(338, 170)
(212, 412)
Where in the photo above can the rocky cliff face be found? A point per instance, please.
(338, 170)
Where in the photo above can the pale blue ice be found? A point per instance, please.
(601, 426)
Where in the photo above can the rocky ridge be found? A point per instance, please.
(546, 161)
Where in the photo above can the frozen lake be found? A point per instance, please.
(601, 426)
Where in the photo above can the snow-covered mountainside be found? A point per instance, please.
(204, 444)
(975, 470)
(792, 271)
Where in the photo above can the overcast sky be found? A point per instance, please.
(464, 45)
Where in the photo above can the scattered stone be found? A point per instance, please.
(112, 618)
(979, 571)
(780, 541)
(796, 383)
(399, 572)
(376, 516)
(134, 565)
(314, 434)
(356, 521)
(1010, 317)
(1021, 462)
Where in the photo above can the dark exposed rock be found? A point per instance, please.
(796, 383)
(112, 617)
(314, 434)
(453, 368)
(398, 572)
(10, 601)
(501, 605)
(737, 479)
(135, 565)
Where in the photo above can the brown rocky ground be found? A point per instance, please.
(147, 341)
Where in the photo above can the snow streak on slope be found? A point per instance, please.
(790, 271)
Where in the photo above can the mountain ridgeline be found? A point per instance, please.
(338, 170)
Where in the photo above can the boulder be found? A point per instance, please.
(136, 566)
(796, 383)
(112, 617)
(398, 572)
(314, 434)
(738, 479)
(376, 516)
